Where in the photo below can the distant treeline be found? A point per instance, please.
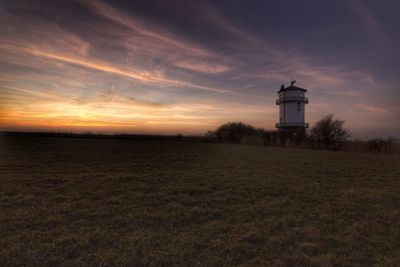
(328, 133)
(178, 137)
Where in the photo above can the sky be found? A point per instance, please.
(173, 66)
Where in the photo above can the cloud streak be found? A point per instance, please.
(370, 22)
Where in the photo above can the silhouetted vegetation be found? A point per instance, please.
(233, 132)
(328, 133)
(155, 137)
(242, 133)
(377, 145)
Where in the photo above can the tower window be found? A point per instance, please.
(298, 106)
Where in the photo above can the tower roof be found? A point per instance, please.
(292, 87)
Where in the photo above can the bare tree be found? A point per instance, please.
(329, 133)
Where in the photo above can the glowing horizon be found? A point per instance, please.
(117, 67)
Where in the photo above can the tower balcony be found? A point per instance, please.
(291, 125)
(287, 99)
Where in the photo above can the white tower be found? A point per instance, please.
(292, 103)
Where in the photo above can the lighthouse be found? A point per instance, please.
(292, 101)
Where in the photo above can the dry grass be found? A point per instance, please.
(79, 202)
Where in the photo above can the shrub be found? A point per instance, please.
(328, 133)
(234, 132)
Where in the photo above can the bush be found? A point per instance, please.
(241, 133)
(328, 133)
(233, 132)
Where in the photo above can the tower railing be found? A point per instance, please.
(286, 99)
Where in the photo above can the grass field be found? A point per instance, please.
(95, 202)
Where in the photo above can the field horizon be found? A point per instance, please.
(74, 201)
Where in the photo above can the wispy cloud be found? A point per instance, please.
(369, 21)
(153, 78)
(154, 42)
(372, 108)
(136, 25)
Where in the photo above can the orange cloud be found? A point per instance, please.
(200, 66)
(142, 76)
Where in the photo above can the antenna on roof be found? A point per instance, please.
(291, 84)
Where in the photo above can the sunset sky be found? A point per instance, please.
(186, 67)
